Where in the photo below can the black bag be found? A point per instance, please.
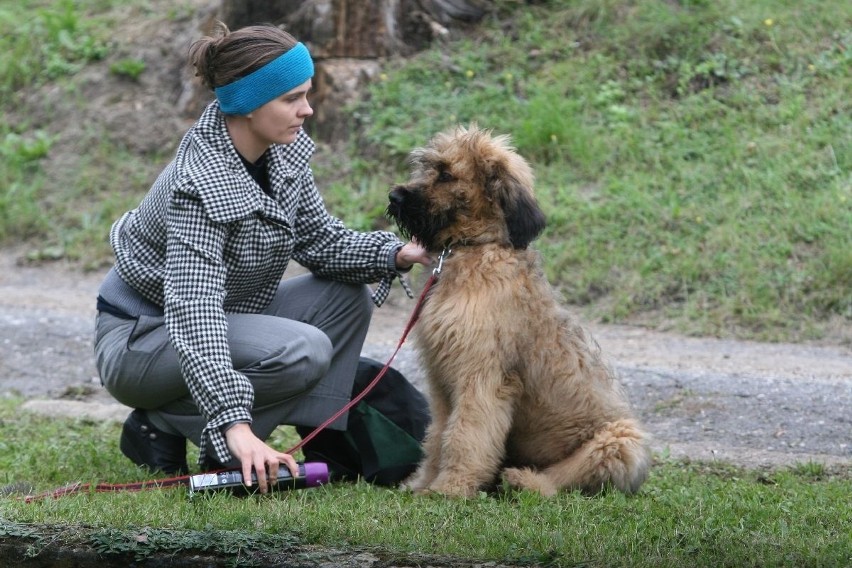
(382, 442)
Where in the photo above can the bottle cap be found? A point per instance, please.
(316, 473)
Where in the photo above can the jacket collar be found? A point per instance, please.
(210, 159)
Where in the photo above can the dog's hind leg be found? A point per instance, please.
(616, 456)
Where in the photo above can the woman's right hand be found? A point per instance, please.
(411, 253)
(254, 453)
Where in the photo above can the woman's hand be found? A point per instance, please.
(412, 253)
(253, 453)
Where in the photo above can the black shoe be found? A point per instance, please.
(212, 464)
(152, 448)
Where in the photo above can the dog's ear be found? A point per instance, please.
(524, 218)
(508, 182)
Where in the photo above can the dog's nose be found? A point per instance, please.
(397, 195)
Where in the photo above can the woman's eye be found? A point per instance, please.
(445, 176)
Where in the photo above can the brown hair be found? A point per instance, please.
(225, 56)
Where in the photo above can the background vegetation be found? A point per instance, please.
(693, 157)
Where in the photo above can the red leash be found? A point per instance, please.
(411, 321)
(183, 480)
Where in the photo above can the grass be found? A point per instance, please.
(686, 514)
(694, 157)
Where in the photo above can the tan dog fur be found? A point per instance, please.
(516, 386)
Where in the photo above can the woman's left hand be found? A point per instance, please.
(254, 454)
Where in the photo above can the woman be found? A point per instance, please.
(195, 330)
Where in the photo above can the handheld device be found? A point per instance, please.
(311, 474)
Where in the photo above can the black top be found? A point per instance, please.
(257, 171)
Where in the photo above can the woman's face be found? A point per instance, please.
(280, 120)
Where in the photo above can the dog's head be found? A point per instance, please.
(467, 187)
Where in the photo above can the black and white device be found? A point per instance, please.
(311, 474)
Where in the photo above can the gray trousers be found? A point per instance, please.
(300, 355)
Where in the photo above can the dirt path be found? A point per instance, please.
(752, 404)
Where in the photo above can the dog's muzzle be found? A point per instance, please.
(409, 208)
(395, 200)
(400, 203)
(403, 208)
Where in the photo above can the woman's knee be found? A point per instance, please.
(295, 367)
(318, 353)
(283, 348)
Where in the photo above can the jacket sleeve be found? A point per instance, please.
(331, 250)
(194, 291)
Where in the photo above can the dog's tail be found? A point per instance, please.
(617, 456)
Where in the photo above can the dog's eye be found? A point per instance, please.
(445, 176)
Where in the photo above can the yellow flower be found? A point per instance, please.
(768, 22)
(508, 76)
(469, 73)
(383, 76)
(553, 138)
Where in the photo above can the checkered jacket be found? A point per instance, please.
(206, 241)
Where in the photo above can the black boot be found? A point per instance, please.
(146, 445)
(212, 464)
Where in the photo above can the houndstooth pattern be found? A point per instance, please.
(206, 241)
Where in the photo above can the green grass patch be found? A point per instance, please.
(128, 67)
(685, 515)
(42, 41)
(20, 215)
(65, 211)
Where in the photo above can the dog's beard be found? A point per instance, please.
(411, 214)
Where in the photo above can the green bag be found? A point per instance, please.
(382, 441)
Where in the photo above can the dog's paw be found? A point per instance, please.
(408, 485)
(416, 482)
(412, 487)
(451, 484)
(452, 490)
(526, 478)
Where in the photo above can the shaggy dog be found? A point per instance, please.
(514, 383)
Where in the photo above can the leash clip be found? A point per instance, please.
(444, 254)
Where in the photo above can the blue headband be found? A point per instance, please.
(286, 72)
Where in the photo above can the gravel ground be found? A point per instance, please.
(751, 404)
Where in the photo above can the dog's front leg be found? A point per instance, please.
(429, 467)
(474, 441)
